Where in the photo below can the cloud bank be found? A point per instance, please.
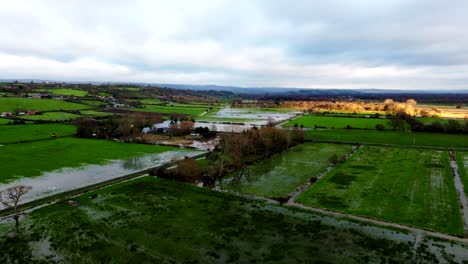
(402, 44)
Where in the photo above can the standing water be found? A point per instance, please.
(66, 179)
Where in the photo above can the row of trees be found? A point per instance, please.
(388, 106)
(124, 125)
(234, 152)
(399, 121)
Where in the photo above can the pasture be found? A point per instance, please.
(95, 113)
(151, 220)
(4, 121)
(52, 116)
(390, 137)
(20, 133)
(13, 104)
(407, 186)
(186, 110)
(49, 155)
(281, 174)
(68, 92)
(311, 121)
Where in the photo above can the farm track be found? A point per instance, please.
(306, 186)
(358, 218)
(460, 189)
(384, 145)
(36, 140)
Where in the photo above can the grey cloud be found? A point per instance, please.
(268, 43)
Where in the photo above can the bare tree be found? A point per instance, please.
(11, 197)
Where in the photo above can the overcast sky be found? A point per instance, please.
(406, 44)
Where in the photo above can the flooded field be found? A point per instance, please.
(259, 116)
(66, 179)
(150, 220)
(409, 186)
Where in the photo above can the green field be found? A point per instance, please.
(48, 155)
(407, 186)
(4, 121)
(92, 102)
(52, 116)
(283, 173)
(151, 101)
(390, 137)
(311, 121)
(12, 104)
(18, 133)
(68, 92)
(151, 220)
(95, 113)
(187, 110)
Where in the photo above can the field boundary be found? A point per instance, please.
(460, 190)
(301, 189)
(384, 145)
(68, 194)
(350, 217)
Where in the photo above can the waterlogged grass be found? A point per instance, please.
(407, 186)
(52, 116)
(49, 155)
(462, 162)
(19, 133)
(12, 104)
(284, 172)
(68, 92)
(390, 137)
(152, 220)
(338, 122)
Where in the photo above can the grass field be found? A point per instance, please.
(284, 172)
(18, 133)
(187, 110)
(4, 121)
(95, 113)
(151, 101)
(52, 116)
(337, 122)
(50, 155)
(68, 92)
(408, 186)
(92, 102)
(390, 137)
(151, 220)
(11, 104)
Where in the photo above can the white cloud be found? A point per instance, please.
(396, 44)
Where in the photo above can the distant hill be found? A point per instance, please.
(263, 90)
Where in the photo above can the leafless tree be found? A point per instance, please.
(11, 197)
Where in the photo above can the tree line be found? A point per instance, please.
(233, 153)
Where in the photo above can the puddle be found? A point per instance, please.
(66, 179)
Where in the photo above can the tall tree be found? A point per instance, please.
(11, 197)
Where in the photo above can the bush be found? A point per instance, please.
(379, 127)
